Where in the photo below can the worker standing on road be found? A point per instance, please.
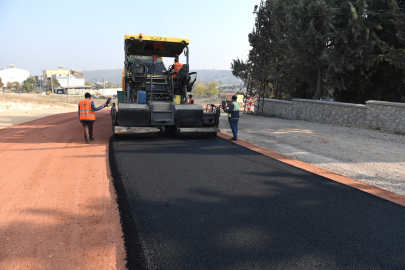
(190, 99)
(233, 117)
(87, 116)
(176, 67)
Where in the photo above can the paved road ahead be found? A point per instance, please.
(211, 204)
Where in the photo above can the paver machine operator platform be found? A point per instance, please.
(152, 100)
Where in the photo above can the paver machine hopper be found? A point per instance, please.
(154, 99)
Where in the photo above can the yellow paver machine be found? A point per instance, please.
(154, 98)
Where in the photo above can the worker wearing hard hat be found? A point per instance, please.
(233, 117)
(176, 67)
(87, 116)
(190, 99)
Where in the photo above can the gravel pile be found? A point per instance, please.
(370, 156)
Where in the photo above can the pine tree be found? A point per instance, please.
(307, 48)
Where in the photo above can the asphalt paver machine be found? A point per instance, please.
(154, 99)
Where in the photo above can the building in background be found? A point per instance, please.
(67, 78)
(13, 74)
(38, 80)
(74, 80)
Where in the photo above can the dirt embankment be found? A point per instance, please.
(15, 102)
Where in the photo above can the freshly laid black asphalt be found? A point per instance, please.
(206, 203)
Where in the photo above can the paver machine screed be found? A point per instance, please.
(152, 100)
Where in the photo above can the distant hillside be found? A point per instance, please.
(114, 75)
(224, 75)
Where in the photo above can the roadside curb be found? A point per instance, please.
(387, 195)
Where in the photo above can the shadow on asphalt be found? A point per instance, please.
(211, 204)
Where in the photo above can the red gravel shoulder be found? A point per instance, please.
(58, 207)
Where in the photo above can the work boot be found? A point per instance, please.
(91, 139)
(233, 139)
(87, 141)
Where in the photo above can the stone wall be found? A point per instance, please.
(330, 112)
(278, 108)
(387, 116)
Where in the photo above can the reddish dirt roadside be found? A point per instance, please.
(58, 205)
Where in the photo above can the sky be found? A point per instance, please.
(89, 35)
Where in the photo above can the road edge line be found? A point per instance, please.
(378, 192)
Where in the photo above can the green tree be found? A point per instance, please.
(108, 84)
(309, 48)
(87, 83)
(29, 85)
(56, 84)
(9, 85)
(200, 89)
(381, 76)
(15, 86)
(1, 82)
(212, 89)
(269, 72)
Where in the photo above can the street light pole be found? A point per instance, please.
(52, 84)
(68, 86)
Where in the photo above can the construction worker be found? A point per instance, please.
(190, 99)
(233, 117)
(176, 67)
(87, 116)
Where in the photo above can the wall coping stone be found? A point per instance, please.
(385, 103)
(277, 100)
(331, 103)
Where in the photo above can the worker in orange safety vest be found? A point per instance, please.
(190, 99)
(176, 67)
(87, 116)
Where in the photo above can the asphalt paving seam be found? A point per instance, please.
(375, 191)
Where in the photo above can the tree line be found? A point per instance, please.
(27, 86)
(215, 88)
(351, 51)
(207, 89)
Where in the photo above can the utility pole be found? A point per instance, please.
(68, 86)
(104, 86)
(52, 84)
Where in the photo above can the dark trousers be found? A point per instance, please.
(234, 128)
(88, 129)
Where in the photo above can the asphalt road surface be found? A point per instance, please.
(207, 203)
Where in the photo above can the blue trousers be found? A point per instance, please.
(234, 128)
